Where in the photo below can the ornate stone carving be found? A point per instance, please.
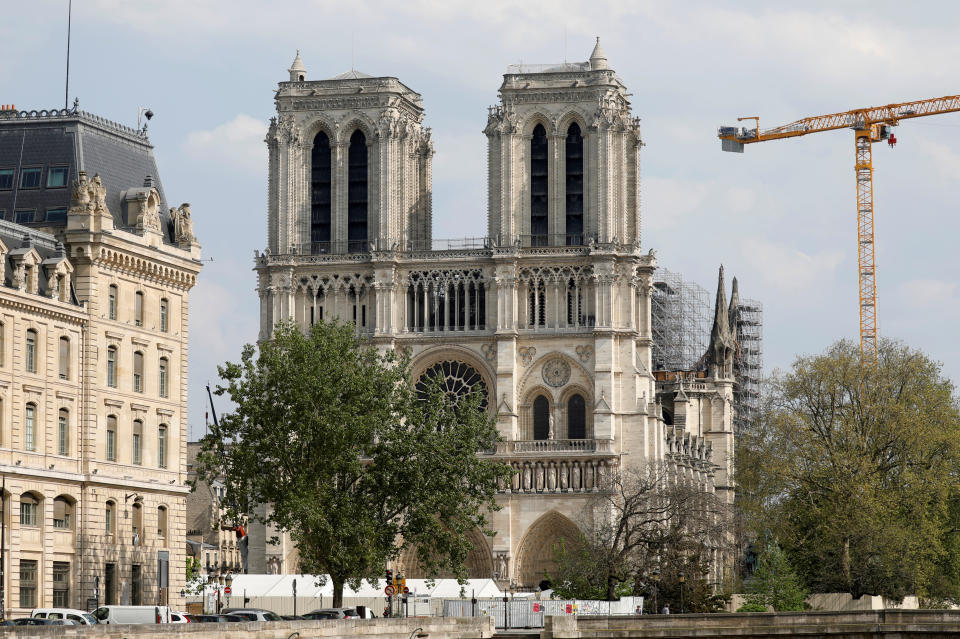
(556, 372)
(584, 352)
(489, 351)
(527, 353)
(182, 224)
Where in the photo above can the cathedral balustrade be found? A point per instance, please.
(572, 446)
(558, 476)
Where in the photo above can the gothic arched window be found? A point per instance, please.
(574, 185)
(357, 193)
(576, 417)
(538, 187)
(541, 418)
(456, 379)
(320, 194)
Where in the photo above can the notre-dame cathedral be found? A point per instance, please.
(549, 315)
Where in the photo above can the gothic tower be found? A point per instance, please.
(350, 165)
(564, 156)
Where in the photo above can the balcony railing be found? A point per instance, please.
(575, 446)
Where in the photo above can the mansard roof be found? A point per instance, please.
(79, 141)
(18, 239)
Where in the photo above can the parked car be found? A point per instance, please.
(82, 617)
(36, 621)
(132, 614)
(179, 617)
(322, 614)
(338, 613)
(253, 614)
(292, 617)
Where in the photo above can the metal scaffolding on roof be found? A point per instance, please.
(680, 321)
(748, 367)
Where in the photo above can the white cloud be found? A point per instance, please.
(928, 293)
(237, 144)
(788, 269)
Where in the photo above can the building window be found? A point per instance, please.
(320, 194)
(541, 418)
(28, 583)
(162, 377)
(25, 216)
(108, 522)
(30, 357)
(538, 187)
(28, 510)
(357, 193)
(112, 302)
(56, 215)
(63, 430)
(64, 358)
(162, 446)
(576, 418)
(137, 438)
(112, 366)
(110, 584)
(164, 309)
(136, 585)
(62, 514)
(137, 524)
(574, 185)
(6, 179)
(138, 309)
(56, 177)
(162, 522)
(30, 177)
(111, 438)
(138, 372)
(61, 584)
(30, 427)
(3, 330)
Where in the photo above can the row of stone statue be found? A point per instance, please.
(557, 476)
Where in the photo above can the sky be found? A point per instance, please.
(781, 216)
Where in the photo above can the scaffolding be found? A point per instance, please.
(748, 367)
(680, 321)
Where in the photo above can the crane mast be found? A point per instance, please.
(869, 125)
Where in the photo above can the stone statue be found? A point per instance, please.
(551, 433)
(53, 283)
(503, 565)
(575, 481)
(539, 476)
(19, 277)
(564, 470)
(526, 477)
(182, 224)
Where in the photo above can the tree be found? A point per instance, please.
(645, 519)
(854, 469)
(355, 461)
(775, 583)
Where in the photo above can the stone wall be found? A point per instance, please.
(901, 624)
(436, 628)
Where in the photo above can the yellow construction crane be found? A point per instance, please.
(869, 125)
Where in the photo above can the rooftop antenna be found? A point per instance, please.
(66, 93)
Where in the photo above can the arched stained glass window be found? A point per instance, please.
(541, 418)
(357, 193)
(320, 194)
(538, 187)
(574, 185)
(576, 417)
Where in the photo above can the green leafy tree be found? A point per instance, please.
(854, 470)
(355, 461)
(775, 583)
(640, 522)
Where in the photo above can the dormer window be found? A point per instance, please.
(6, 179)
(25, 216)
(56, 177)
(30, 177)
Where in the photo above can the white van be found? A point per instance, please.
(132, 614)
(80, 617)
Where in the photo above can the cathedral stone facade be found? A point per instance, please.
(549, 314)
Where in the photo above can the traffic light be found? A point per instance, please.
(389, 577)
(402, 582)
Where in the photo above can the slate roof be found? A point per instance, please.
(80, 141)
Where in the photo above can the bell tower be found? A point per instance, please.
(350, 165)
(563, 156)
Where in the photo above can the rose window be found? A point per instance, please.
(456, 379)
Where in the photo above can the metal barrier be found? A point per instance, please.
(529, 613)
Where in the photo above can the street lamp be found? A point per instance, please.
(682, 579)
(655, 578)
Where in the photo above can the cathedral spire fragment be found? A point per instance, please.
(598, 59)
(723, 343)
(298, 72)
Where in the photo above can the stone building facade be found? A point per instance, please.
(94, 301)
(549, 314)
